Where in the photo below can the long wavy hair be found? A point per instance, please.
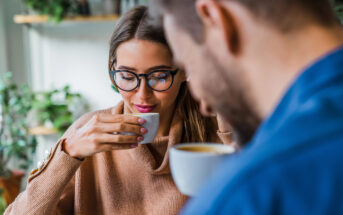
(135, 24)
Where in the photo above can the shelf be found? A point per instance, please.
(32, 19)
(40, 130)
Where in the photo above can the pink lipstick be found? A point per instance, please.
(145, 108)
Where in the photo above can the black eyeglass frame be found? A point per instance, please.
(171, 72)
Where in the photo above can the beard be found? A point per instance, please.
(230, 99)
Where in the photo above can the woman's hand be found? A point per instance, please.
(101, 133)
(223, 126)
(225, 129)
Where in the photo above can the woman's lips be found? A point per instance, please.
(145, 108)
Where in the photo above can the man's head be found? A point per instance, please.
(230, 49)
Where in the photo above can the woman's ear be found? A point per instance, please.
(114, 66)
(115, 88)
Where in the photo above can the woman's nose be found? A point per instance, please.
(144, 90)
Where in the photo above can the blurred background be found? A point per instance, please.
(53, 68)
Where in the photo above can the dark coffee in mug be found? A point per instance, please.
(203, 149)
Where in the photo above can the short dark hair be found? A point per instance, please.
(285, 15)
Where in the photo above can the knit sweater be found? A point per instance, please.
(134, 181)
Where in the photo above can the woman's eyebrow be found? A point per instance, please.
(160, 67)
(150, 69)
(126, 68)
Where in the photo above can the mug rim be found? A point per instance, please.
(142, 114)
(204, 154)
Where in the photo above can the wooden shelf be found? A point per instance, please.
(40, 130)
(32, 19)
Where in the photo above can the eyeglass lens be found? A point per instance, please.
(159, 80)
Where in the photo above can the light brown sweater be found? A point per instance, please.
(135, 181)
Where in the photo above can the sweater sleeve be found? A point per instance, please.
(50, 189)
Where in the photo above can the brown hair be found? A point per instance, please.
(284, 15)
(136, 24)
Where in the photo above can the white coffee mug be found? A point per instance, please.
(191, 169)
(152, 124)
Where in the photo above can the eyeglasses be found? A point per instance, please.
(157, 80)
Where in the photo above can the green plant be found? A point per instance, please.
(2, 202)
(339, 9)
(53, 108)
(340, 12)
(55, 9)
(15, 141)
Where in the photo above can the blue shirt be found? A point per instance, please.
(294, 164)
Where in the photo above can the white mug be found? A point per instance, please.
(191, 169)
(152, 124)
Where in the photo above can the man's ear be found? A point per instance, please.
(219, 23)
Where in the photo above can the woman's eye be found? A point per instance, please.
(161, 78)
(128, 78)
(160, 75)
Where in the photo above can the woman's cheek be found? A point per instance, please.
(126, 97)
(169, 98)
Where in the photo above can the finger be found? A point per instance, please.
(118, 118)
(119, 138)
(120, 127)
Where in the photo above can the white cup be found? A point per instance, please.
(152, 124)
(191, 169)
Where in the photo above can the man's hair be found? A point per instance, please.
(284, 15)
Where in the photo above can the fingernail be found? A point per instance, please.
(141, 121)
(134, 145)
(144, 130)
(140, 138)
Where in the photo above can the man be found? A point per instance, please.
(273, 69)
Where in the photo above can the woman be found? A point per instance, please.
(94, 169)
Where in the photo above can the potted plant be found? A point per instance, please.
(15, 141)
(2, 202)
(57, 109)
(339, 9)
(56, 10)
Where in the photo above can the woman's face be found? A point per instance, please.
(142, 57)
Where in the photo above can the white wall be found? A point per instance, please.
(75, 54)
(48, 56)
(14, 41)
(3, 47)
